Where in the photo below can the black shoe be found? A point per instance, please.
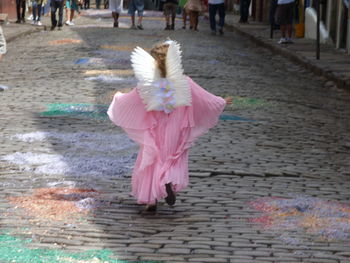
(171, 198)
(116, 24)
(221, 32)
(140, 27)
(151, 208)
(167, 27)
(18, 21)
(52, 27)
(172, 27)
(184, 27)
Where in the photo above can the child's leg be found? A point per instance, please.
(167, 22)
(196, 15)
(184, 18)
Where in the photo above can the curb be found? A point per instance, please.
(328, 74)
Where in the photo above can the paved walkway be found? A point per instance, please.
(333, 64)
(270, 186)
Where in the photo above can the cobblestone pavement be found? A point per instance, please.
(292, 144)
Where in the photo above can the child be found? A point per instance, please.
(138, 5)
(116, 7)
(164, 114)
(170, 12)
(2, 43)
(194, 8)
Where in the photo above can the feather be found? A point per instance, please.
(176, 77)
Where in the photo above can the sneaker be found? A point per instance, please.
(221, 32)
(52, 27)
(184, 27)
(140, 27)
(18, 21)
(39, 23)
(30, 17)
(69, 23)
(172, 27)
(167, 27)
(133, 27)
(116, 24)
(282, 41)
(171, 197)
(33, 22)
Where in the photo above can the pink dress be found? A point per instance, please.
(164, 139)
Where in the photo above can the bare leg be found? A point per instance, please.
(184, 18)
(283, 30)
(289, 30)
(133, 20)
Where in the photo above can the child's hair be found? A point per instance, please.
(159, 52)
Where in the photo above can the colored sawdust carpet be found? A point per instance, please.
(121, 72)
(103, 61)
(83, 154)
(99, 111)
(128, 48)
(13, 249)
(57, 204)
(65, 41)
(247, 103)
(329, 220)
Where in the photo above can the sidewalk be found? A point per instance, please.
(333, 64)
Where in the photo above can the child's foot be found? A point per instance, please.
(184, 27)
(171, 198)
(151, 208)
(167, 27)
(140, 27)
(116, 24)
(133, 27)
(172, 27)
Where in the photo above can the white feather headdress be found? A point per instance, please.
(161, 94)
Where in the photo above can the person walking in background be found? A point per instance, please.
(21, 11)
(170, 13)
(116, 7)
(36, 9)
(244, 10)
(98, 4)
(182, 4)
(2, 43)
(72, 6)
(56, 4)
(136, 5)
(214, 7)
(194, 8)
(284, 17)
(86, 4)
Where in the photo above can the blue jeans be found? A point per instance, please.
(36, 11)
(54, 6)
(220, 8)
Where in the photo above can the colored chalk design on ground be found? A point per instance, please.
(65, 41)
(14, 249)
(103, 61)
(128, 48)
(246, 103)
(327, 220)
(100, 111)
(87, 154)
(132, 82)
(76, 109)
(115, 72)
(58, 203)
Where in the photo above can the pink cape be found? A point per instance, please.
(164, 139)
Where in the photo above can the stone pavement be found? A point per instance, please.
(333, 64)
(268, 184)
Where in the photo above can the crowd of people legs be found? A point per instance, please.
(191, 9)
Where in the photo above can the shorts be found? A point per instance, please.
(284, 14)
(72, 4)
(138, 5)
(170, 9)
(116, 6)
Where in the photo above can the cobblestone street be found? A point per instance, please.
(270, 183)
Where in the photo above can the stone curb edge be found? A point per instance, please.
(24, 33)
(341, 82)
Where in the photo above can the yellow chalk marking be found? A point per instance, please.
(122, 48)
(65, 41)
(123, 72)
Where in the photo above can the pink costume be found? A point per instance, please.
(164, 138)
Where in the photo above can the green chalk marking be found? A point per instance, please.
(247, 103)
(13, 249)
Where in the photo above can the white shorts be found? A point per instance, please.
(116, 6)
